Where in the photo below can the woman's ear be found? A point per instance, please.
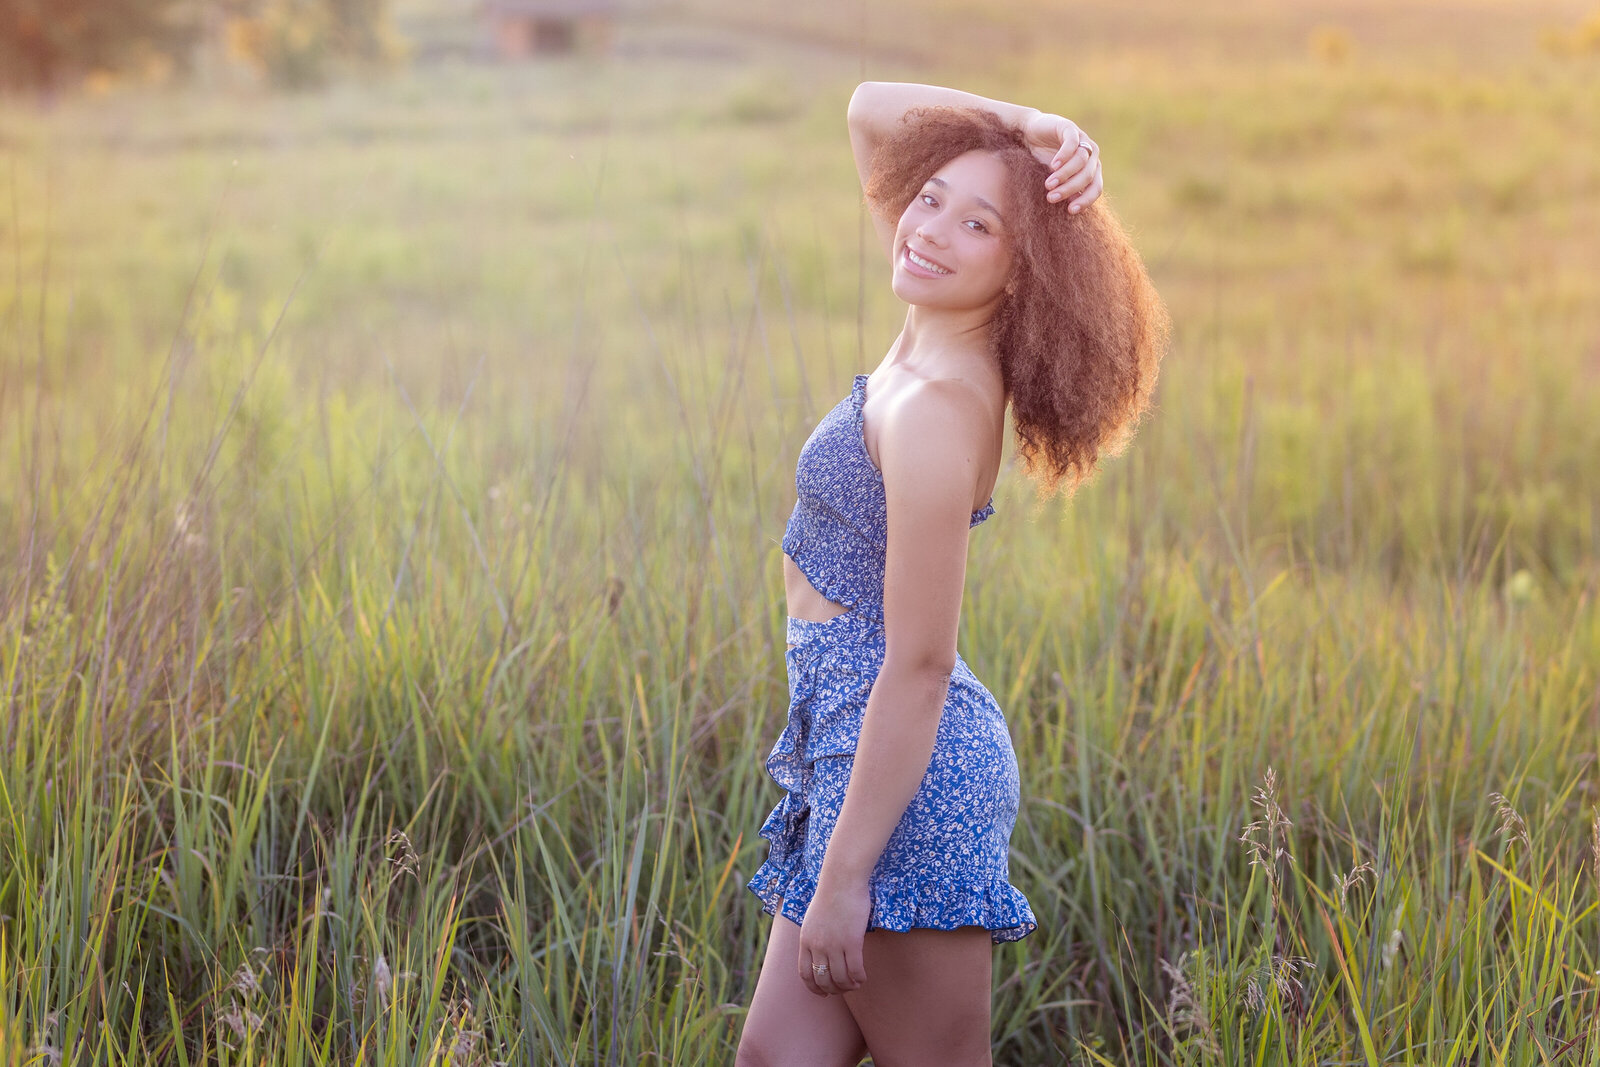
(1014, 275)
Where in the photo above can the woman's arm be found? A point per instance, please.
(932, 432)
(877, 108)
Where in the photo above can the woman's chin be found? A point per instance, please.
(911, 289)
(907, 289)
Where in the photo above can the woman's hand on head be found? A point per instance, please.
(1073, 159)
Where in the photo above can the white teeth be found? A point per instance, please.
(925, 264)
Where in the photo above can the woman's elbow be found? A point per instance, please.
(930, 667)
(863, 103)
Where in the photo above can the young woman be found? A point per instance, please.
(887, 874)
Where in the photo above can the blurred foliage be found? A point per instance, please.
(47, 43)
(1331, 44)
(52, 44)
(1583, 39)
(296, 44)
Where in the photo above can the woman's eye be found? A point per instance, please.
(927, 198)
(977, 226)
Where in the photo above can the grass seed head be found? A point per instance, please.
(246, 981)
(403, 859)
(382, 979)
(1358, 874)
(1185, 1011)
(1283, 974)
(43, 1048)
(1594, 849)
(1265, 838)
(1391, 948)
(462, 1046)
(241, 1021)
(1511, 825)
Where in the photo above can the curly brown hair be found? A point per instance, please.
(1080, 330)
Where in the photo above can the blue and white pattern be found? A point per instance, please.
(839, 528)
(945, 864)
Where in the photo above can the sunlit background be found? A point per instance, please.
(399, 402)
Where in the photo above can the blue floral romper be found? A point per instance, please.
(945, 864)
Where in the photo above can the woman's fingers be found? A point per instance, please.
(1070, 186)
(855, 965)
(1075, 173)
(1074, 162)
(841, 971)
(1089, 195)
(830, 934)
(1078, 189)
(1076, 145)
(833, 979)
(809, 976)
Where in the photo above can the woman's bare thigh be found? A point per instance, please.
(926, 997)
(789, 1024)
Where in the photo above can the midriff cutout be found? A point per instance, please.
(803, 599)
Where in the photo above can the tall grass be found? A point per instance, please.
(390, 603)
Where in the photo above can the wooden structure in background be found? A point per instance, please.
(523, 28)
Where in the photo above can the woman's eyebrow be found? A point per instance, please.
(941, 183)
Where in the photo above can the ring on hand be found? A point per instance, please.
(1086, 144)
(819, 969)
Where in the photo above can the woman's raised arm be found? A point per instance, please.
(877, 108)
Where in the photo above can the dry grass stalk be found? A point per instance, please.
(1185, 1011)
(1512, 826)
(1594, 850)
(1358, 874)
(1266, 837)
(1281, 973)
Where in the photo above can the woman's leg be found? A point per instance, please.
(926, 998)
(787, 1023)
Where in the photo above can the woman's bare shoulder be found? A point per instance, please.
(935, 426)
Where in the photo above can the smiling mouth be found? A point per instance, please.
(925, 264)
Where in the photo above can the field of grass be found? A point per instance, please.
(391, 482)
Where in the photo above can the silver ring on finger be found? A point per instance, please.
(820, 970)
(1086, 144)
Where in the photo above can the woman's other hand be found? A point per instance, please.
(831, 936)
(1073, 159)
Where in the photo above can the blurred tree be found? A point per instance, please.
(295, 43)
(287, 41)
(361, 30)
(49, 44)
(46, 43)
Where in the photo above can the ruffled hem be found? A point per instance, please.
(999, 907)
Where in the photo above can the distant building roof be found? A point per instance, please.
(550, 9)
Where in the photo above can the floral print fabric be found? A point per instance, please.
(839, 528)
(946, 862)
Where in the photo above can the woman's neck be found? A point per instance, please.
(930, 331)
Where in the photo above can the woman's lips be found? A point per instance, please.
(924, 272)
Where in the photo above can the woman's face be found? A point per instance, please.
(951, 249)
